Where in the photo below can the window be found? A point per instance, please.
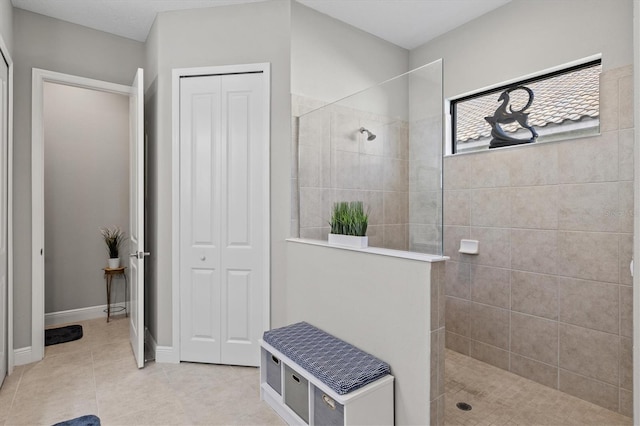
(559, 105)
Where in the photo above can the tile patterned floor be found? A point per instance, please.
(502, 398)
(97, 375)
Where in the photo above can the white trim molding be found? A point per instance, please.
(163, 354)
(39, 77)
(23, 356)
(167, 355)
(172, 353)
(4, 51)
(82, 314)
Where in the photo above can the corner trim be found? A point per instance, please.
(167, 355)
(23, 356)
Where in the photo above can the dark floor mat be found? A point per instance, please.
(65, 334)
(89, 420)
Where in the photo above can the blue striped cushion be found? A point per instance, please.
(338, 364)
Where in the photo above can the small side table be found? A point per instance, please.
(108, 276)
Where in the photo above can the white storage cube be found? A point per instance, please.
(369, 405)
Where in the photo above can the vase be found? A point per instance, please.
(114, 263)
(348, 240)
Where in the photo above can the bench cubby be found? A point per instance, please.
(301, 398)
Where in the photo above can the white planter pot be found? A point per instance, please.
(114, 263)
(348, 240)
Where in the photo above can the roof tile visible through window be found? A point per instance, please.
(573, 96)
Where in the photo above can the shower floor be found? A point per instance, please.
(502, 398)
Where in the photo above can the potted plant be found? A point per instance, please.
(114, 238)
(349, 224)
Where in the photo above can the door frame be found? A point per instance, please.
(636, 209)
(39, 77)
(4, 51)
(178, 73)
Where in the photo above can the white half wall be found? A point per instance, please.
(378, 303)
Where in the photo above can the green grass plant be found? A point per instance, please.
(349, 218)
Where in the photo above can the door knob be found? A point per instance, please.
(203, 258)
(140, 254)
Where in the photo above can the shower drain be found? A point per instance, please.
(464, 406)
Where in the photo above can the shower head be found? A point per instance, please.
(370, 136)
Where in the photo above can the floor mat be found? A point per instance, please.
(89, 420)
(69, 333)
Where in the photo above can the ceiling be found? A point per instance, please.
(406, 23)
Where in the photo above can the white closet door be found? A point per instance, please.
(221, 208)
(242, 212)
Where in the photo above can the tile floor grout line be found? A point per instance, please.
(15, 394)
(95, 385)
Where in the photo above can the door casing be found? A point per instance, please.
(4, 52)
(178, 73)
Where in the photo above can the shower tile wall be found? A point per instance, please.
(437, 362)
(425, 192)
(337, 163)
(549, 296)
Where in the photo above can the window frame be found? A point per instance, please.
(544, 75)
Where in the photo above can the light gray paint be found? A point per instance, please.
(6, 23)
(249, 33)
(151, 138)
(86, 145)
(52, 45)
(331, 60)
(528, 36)
(378, 303)
(131, 19)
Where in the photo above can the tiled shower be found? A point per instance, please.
(549, 295)
(397, 174)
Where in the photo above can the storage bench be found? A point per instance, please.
(311, 377)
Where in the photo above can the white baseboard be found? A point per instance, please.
(73, 315)
(167, 354)
(22, 356)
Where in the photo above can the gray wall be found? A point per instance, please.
(86, 165)
(534, 35)
(53, 45)
(331, 60)
(151, 130)
(6, 23)
(238, 34)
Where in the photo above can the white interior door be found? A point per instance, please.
(4, 137)
(136, 219)
(223, 238)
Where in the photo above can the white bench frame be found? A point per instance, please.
(369, 405)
